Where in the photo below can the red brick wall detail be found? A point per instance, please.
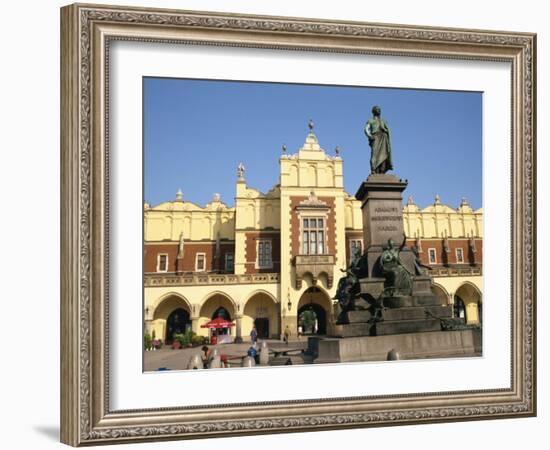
(251, 239)
(295, 225)
(450, 258)
(151, 252)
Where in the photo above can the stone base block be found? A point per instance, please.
(412, 300)
(422, 285)
(356, 316)
(395, 321)
(372, 286)
(438, 344)
(405, 326)
(362, 304)
(416, 313)
(353, 329)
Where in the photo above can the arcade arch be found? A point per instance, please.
(470, 296)
(315, 312)
(441, 293)
(171, 315)
(216, 304)
(261, 310)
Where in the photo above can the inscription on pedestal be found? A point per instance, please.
(382, 209)
(383, 219)
(386, 218)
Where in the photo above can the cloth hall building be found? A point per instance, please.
(273, 256)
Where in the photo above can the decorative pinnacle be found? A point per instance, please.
(240, 172)
(464, 202)
(284, 149)
(437, 199)
(337, 151)
(179, 195)
(310, 125)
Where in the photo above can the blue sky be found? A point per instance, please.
(197, 131)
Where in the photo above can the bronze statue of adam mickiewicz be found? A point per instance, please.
(378, 132)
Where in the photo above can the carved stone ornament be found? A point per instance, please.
(312, 202)
(87, 33)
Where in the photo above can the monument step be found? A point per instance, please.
(353, 329)
(394, 314)
(405, 326)
(412, 300)
(442, 344)
(357, 316)
(417, 312)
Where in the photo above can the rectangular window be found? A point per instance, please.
(264, 254)
(200, 262)
(162, 263)
(355, 245)
(459, 255)
(229, 262)
(313, 236)
(432, 255)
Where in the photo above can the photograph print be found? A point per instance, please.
(289, 224)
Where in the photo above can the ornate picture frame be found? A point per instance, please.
(87, 32)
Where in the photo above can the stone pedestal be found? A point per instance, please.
(381, 203)
(382, 207)
(264, 354)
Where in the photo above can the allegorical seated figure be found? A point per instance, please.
(348, 286)
(398, 280)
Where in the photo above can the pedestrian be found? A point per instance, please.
(253, 353)
(254, 336)
(286, 335)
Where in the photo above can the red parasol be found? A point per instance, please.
(218, 322)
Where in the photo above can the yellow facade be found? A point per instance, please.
(169, 220)
(311, 170)
(314, 178)
(441, 221)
